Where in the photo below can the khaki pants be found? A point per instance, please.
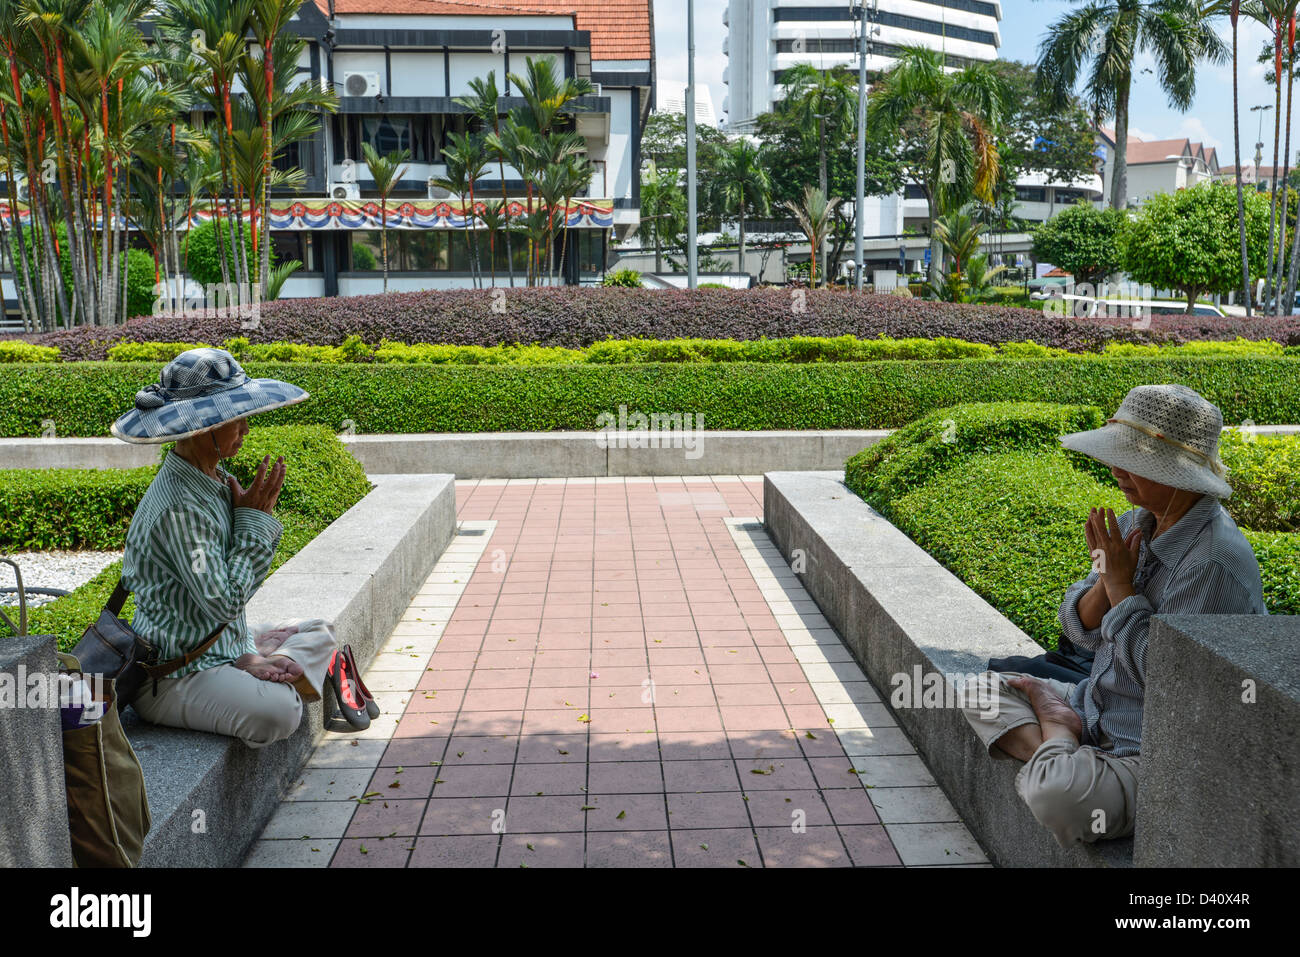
(227, 700)
(1077, 792)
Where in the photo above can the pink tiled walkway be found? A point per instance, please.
(612, 689)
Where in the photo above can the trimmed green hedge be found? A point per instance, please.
(625, 351)
(85, 398)
(989, 492)
(323, 481)
(43, 509)
(1264, 471)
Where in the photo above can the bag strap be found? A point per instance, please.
(117, 599)
(162, 669)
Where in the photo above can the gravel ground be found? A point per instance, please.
(66, 570)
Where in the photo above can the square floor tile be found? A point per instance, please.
(628, 849)
(802, 847)
(455, 851)
(541, 850)
(718, 847)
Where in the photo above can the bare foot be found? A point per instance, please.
(1055, 716)
(268, 641)
(268, 669)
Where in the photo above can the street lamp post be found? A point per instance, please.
(866, 15)
(691, 264)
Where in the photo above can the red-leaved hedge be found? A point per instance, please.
(574, 317)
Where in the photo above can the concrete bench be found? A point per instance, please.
(1225, 774)
(210, 795)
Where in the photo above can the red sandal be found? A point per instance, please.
(372, 708)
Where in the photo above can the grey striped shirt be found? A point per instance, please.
(192, 563)
(1203, 565)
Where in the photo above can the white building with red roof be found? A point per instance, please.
(398, 67)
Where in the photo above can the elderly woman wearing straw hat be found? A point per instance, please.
(1176, 552)
(200, 545)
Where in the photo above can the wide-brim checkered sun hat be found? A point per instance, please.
(197, 391)
(1165, 433)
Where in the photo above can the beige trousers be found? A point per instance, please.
(1078, 792)
(227, 700)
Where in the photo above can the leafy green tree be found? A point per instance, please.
(1188, 240)
(814, 215)
(1038, 135)
(1083, 240)
(967, 277)
(1099, 41)
(663, 211)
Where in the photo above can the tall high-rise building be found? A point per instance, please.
(767, 37)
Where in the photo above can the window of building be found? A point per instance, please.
(1031, 194)
(386, 133)
(288, 244)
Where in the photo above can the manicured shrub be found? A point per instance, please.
(628, 278)
(1264, 472)
(989, 492)
(572, 318)
(69, 508)
(322, 478)
(14, 351)
(85, 398)
(624, 351)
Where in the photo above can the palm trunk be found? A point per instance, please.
(383, 234)
(1277, 138)
(1286, 167)
(505, 206)
(740, 260)
(1119, 179)
(1241, 200)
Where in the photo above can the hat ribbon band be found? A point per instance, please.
(1216, 466)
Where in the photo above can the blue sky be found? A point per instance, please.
(1022, 26)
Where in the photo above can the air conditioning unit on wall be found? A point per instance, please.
(361, 84)
(345, 190)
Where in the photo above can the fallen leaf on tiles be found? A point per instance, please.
(584, 719)
(704, 847)
(567, 705)
(364, 849)
(611, 694)
(587, 807)
(809, 734)
(561, 750)
(620, 815)
(538, 794)
(530, 847)
(741, 863)
(460, 754)
(436, 764)
(769, 770)
(356, 744)
(395, 784)
(371, 794)
(438, 781)
(856, 771)
(399, 770)
(732, 652)
(658, 641)
(315, 850)
(788, 801)
(522, 864)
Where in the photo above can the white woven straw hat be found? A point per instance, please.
(1165, 433)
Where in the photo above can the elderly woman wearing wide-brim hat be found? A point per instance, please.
(1176, 552)
(199, 546)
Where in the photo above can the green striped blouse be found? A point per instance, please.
(193, 562)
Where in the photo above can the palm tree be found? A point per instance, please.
(270, 18)
(742, 181)
(814, 215)
(663, 209)
(469, 154)
(387, 171)
(483, 104)
(494, 217)
(968, 276)
(960, 114)
(1104, 37)
(1234, 12)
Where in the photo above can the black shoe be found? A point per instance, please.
(347, 692)
(372, 708)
